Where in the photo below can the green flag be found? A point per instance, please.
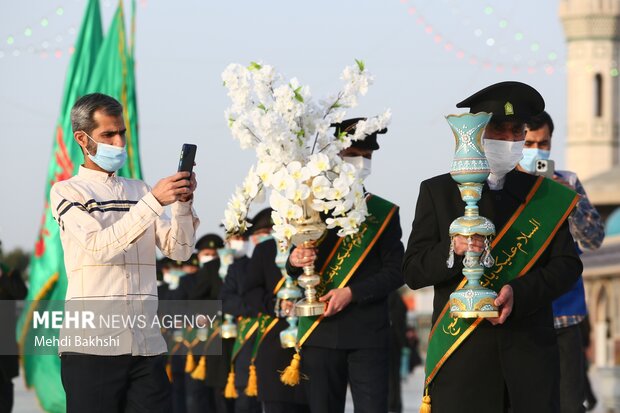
(113, 75)
(47, 270)
(97, 65)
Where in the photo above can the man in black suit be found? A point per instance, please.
(12, 288)
(205, 284)
(513, 359)
(233, 303)
(350, 344)
(259, 293)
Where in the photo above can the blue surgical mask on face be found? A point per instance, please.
(108, 157)
(530, 156)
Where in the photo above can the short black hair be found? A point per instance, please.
(539, 121)
(85, 107)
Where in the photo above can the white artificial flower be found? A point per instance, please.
(281, 180)
(251, 184)
(318, 163)
(284, 232)
(340, 188)
(348, 172)
(298, 172)
(298, 154)
(320, 186)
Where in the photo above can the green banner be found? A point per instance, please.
(347, 255)
(516, 248)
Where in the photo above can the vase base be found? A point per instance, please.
(474, 314)
(473, 301)
(306, 309)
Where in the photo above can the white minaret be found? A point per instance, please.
(592, 29)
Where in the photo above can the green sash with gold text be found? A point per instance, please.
(516, 249)
(347, 255)
(246, 326)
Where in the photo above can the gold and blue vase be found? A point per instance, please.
(470, 169)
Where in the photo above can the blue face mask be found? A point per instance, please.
(108, 157)
(263, 238)
(530, 156)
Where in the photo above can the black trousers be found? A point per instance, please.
(283, 407)
(6, 395)
(246, 404)
(178, 392)
(329, 371)
(572, 369)
(108, 384)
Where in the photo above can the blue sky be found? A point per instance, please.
(425, 56)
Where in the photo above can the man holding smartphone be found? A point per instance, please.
(570, 309)
(109, 228)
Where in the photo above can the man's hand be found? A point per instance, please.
(192, 186)
(301, 257)
(170, 189)
(504, 302)
(337, 299)
(462, 245)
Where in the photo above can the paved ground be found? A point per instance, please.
(25, 401)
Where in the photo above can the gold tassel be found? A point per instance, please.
(169, 370)
(425, 407)
(190, 364)
(200, 373)
(252, 389)
(230, 392)
(290, 375)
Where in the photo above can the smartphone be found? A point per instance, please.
(186, 160)
(545, 167)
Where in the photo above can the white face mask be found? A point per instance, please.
(206, 258)
(361, 163)
(239, 245)
(503, 156)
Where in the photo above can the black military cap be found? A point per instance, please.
(348, 126)
(193, 260)
(261, 220)
(508, 101)
(210, 241)
(164, 262)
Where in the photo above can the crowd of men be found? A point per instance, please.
(530, 358)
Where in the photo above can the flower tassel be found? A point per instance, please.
(230, 392)
(252, 388)
(425, 407)
(190, 364)
(290, 376)
(200, 373)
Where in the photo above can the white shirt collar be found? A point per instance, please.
(495, 182)
(94, 175)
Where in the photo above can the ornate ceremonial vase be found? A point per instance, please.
(227, 257)
(470, 170)
(310, 229)
(229, 327)
(288, 336)
(290, 292)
